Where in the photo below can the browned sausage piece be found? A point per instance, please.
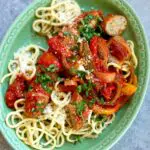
(114, 25)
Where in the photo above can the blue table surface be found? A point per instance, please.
(138, 136)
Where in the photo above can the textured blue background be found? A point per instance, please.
(138, 136)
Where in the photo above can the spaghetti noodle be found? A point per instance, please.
(61, 12)
(52, 126)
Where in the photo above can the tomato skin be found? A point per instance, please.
(85, 114)
(76, 97)
(94, 46)
(117, 51)
(99, 48)
(100, 51)
(15, 91)
(58, 47)
(48, 58)
(119, 48)
(107, 91)
(99, 65)
(10, 99)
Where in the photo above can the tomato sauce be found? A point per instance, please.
(15, 91)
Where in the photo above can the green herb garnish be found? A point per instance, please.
(44, 80)
(72, 59)
(81, 74)
(92, 102)
(46, 88)
(87, 19)
(80, 107)
(88, 32)
(52, 68)
(99, 118)
(40, 104)
(99, 19)
(33, 110)
(86, 87)
(30, 88)
(40, 109)
(77, 139)
(41, 78)
(59, 79)
(72, 70)
(101, 100)
(75, 48)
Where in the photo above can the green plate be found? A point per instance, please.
(21, 34)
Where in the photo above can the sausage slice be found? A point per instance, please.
(114, 25)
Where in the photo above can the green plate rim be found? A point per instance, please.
(129, 123)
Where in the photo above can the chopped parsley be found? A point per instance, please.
(52, 68)
(33, 109)
(75, 48)
(40, 104)
(59, 79)
(87, 31)
(86, 87)
(46, 88)
(77, 139)
(101, 100)
(73, 70)
(81, 74)
(87, 19)
(101, 119)
(92, 102)
(44, 80)
(80, 88)
(80, 107)
(40, 109)
(72, 59)
(30, 88)
(99, 19)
